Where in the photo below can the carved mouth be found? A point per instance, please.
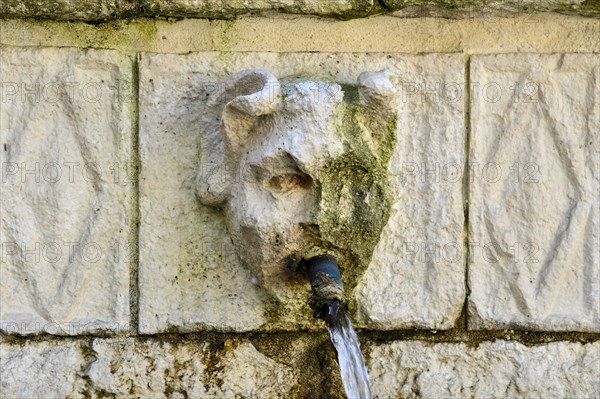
(312, 245)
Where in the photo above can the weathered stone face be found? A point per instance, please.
(298, 166)
(189, 244)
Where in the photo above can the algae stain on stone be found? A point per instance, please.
(125, 35)
(353, 191)
(223, 37)
(122, 35)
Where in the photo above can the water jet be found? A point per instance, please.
(329, 303)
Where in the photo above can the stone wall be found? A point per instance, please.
(117, 282)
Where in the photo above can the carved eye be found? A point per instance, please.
(288, 181)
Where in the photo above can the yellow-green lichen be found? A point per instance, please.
(223, 38)
(127, 36)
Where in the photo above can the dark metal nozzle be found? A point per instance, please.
(324, 264)
(325, 283)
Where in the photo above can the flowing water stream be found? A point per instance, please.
(352, 365)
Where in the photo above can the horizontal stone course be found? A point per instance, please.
(294, 367)
(229, 9)
(470, 8)
(153, 368)
(86, 10)
(499, 369)
(101, 10)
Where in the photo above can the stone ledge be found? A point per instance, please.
(344, 9)
(293, 367)
(103, 10)
(469, 8)
(90, 10)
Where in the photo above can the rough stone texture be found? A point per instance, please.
(152, 368)
(185, 252)
(230, 9)
(470, 8)
(42, 370)
(535, 192)
(248, 373)
(498, 369)
(65, 128)
(98, 10)
(129, 368)
(87, 10)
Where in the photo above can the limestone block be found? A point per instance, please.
(90, 10)
(129, 368)
(535, 192)
(42, 370)
(248, 373)
(186, 253)
(65, 126)
(498, 369)
(416, 275)
(216, 9)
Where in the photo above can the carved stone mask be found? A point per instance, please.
(299, 167)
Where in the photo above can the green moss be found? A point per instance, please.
(353, 202)
(353, 194)
(123, 35)
(590, 8)
(224, 39)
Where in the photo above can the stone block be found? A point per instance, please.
(534, 192)
(65, 124)
(42, 370)
(416, 275)
(498, 369)
(130, 368)
(186, 254)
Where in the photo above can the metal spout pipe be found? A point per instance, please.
(324, 264)
(326, 284)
